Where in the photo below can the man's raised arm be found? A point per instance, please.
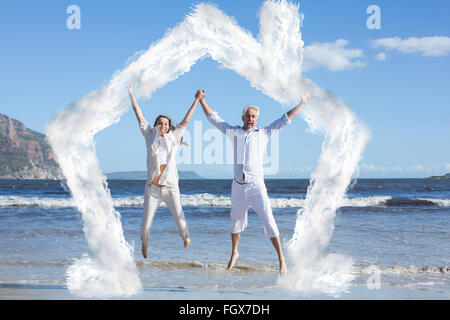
(291, 114)
(211, 115)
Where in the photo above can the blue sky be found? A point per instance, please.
(400, 91)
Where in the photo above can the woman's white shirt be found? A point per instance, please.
(163, 150)
(173, 138)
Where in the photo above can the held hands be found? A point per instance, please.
(200, 95)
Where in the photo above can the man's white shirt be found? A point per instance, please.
(248, 146)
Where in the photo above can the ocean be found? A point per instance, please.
(395, 229)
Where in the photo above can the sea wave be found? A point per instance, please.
(405, 270)
(211, 200)
(246, 267)
(207, 266)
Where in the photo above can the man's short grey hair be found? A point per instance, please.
(251, 107)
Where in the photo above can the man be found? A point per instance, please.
(248, 188)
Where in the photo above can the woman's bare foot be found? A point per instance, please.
(187, 242)
(144, 250)
(233, 259)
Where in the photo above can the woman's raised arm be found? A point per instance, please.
(191, 110)
(136, 108)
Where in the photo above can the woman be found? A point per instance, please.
(162, 143)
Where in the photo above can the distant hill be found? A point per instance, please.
(142, 175)
(445, 176)
(24, 153)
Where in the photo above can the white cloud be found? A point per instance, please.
(332, 56)
(381, 56)
(421, 168)
(428, 46)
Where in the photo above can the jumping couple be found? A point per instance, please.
(248, 187)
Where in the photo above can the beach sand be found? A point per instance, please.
(356, 292)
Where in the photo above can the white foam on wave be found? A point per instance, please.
(412, 269)
(196, 200)
(45, 203)
(439, 202)
(364, 201)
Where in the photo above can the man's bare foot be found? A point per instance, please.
(233, 259)
(144, 250)
(283, 267)
(187, 242)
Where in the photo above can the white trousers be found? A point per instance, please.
(153, 195)
(252, 194)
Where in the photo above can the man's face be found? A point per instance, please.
(250, 118)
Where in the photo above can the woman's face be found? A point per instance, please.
(163, 124)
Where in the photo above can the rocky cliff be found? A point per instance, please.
(24, 153)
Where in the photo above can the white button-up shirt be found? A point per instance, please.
(169, 176)
(163, 150)
(248, 146)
